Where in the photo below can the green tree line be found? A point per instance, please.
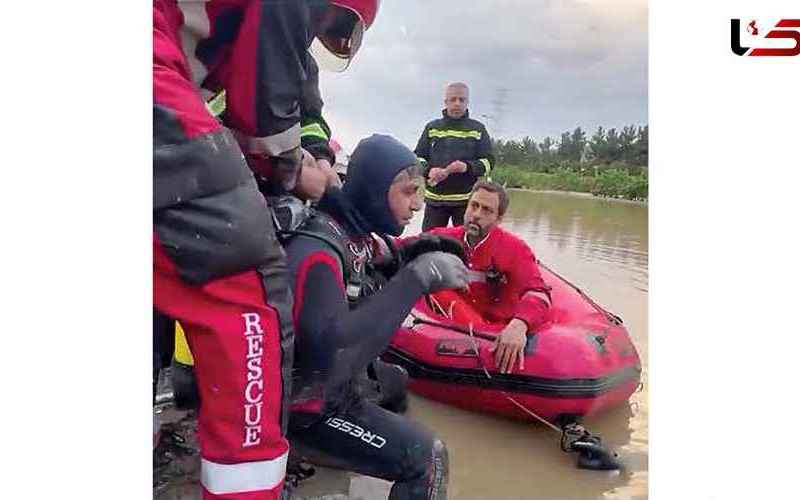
(625, 147)
(609, 163)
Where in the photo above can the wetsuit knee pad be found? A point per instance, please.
(440, 471)
(430, 475)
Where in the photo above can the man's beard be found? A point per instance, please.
(475, 232)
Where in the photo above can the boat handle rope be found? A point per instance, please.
(504, 393)
(613, 318)
(608, 314)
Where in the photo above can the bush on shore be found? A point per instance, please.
(612, 181)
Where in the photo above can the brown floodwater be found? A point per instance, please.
(600, 246)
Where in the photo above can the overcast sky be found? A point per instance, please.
(534, 67)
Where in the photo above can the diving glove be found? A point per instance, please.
(439, 270)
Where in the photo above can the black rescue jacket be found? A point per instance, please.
(449, 139)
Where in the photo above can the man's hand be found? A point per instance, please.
(437, 175)
(284, 167)
(510, 346)
(456, 167)
(330, 172)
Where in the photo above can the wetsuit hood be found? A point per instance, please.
(374, 164)
(336, 204)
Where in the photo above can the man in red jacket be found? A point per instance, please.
(217, 265)
(505, 283)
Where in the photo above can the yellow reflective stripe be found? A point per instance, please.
(216, 105)
(313, 130)
(486, 165)
(464, 134)
(446, 197)
(182, 354)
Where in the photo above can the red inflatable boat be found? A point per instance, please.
(581, 362)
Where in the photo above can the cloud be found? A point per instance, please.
(535, 67)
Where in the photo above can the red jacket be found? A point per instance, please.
(522, 293)
(256, 51)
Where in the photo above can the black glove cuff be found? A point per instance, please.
(431, 243)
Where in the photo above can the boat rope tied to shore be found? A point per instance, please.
(575, 438)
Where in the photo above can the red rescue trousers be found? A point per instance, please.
(235, 339)
(218, 268)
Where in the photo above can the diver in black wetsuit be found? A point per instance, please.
(330, 422)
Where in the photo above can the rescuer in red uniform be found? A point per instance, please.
(217, 265)
(505, 284)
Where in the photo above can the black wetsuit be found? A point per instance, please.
(330, 422)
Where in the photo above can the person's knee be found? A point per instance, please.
(428, 461)
(425, 475)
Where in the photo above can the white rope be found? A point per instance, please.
(504, 393)
(438, 306)
(486, 372)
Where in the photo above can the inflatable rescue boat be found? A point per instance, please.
(579, 363)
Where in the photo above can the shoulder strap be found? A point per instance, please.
(323, 228)
(352, 255)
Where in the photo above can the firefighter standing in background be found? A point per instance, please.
(456, 151)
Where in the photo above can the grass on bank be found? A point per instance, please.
(611, 181)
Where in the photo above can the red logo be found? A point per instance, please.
(782, 30)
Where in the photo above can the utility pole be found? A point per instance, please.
(498, 110)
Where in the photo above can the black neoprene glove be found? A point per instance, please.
(439, 270)
(427, 242)
(398, 256)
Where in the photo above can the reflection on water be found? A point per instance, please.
(601, 246)
(563, 227)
